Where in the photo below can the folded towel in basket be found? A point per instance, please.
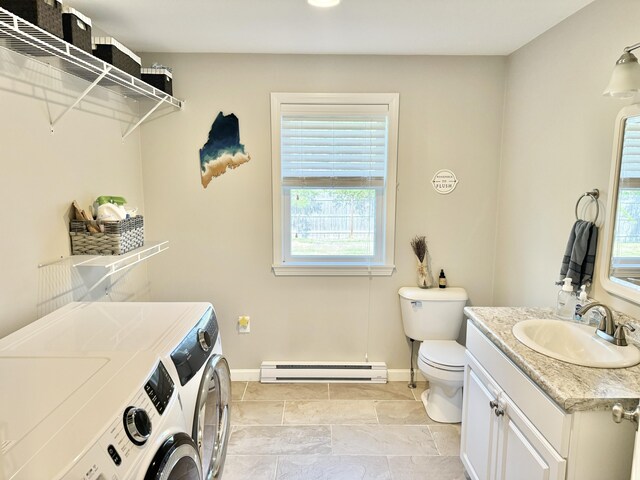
(580, 254)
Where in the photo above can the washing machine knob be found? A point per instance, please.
(137, 424)
(204, 339)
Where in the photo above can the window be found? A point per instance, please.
(334, 177)
(625, 258)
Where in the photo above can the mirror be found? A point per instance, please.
(620, 266)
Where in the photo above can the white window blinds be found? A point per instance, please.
(630, 164)
(321, 146)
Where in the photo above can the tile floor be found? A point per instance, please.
(337, 432)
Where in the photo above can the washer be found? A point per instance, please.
(91, 372)
(203, 373)
(148, 440)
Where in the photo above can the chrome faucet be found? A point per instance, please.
(606, 320)
(608, 329)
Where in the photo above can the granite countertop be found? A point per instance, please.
(572, 387)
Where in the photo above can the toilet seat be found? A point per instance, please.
(445, 355)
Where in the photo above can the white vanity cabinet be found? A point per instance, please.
(498, 441)
(511, 430)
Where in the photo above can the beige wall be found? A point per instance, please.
(558, 134)
(43, 173)
(221, 238)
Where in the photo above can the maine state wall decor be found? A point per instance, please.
(223, 148)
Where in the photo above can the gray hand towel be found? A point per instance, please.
(579, 257)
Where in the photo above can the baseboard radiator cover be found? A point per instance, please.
(323, 372)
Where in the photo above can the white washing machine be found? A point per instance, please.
(115, 391)
(205, 382)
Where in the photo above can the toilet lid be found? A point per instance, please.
(446, 353)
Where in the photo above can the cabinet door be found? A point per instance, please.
(523, 453)
(479, 425)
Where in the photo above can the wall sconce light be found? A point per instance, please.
(625, 79)
(323, 3)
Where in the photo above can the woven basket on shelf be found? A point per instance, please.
(118, 237)
(77, 30)
(46, 14)
(111, 51)
(160, 78)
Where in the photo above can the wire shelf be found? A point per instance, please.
(115, 263)
(27, 39)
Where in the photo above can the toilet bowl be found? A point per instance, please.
(441, 362)
(434, 316)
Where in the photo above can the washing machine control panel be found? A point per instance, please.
(194, 350)
(160, 387)
(115, 456)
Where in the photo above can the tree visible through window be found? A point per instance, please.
(333, 222)
(627, 239)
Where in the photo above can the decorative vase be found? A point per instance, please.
(424, 280)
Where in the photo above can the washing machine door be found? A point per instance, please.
(212, 416)
(177, 459)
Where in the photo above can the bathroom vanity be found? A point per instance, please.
(527, 416)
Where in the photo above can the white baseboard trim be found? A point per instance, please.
(245, 375)
(400, 374)
(253, 375)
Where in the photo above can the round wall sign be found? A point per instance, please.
(444, 181)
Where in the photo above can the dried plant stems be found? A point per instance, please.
(419, 245)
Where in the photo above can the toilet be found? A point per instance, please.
(434, 317)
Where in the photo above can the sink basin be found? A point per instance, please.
(574, 343)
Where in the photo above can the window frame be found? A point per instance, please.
(282, 261)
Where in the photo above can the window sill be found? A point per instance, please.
(334, 270)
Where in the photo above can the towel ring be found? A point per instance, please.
(594, 194)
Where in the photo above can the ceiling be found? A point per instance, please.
(392, 27)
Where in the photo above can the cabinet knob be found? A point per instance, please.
(496, 407)
(619, 413)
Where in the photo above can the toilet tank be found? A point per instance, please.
(432, 313)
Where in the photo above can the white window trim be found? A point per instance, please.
(280, 267)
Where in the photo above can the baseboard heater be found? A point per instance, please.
(325, 372)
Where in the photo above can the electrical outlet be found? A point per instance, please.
(244, 324)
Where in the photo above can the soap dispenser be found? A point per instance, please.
(566, 305)
(581, 302)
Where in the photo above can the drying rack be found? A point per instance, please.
(593, 195)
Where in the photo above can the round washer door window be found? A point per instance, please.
(211, 421)
(177, 459)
